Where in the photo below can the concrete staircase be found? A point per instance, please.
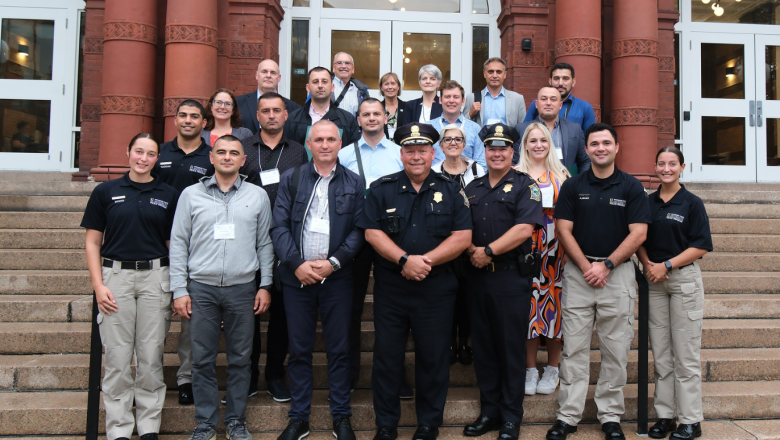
(45, 308)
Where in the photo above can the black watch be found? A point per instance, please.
(610, 265)
(488, 251)
(668, 265)
(333, 264)
(266, 287)
(402, 260)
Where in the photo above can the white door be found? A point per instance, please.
(767, 114)
(36, 77)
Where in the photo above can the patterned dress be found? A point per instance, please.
(545, 319)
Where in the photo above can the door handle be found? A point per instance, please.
(752, 113)
(759, 114)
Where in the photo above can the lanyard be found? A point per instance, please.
(260, 158)
(322, 208)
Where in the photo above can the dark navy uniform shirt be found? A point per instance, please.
(516, 199)
(602, 209)
(424, 219)
(135, 218)
(678, 224)
(182, 170)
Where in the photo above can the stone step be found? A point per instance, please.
(739, 262)
(744, 211)
(74, 337)
(9, 177)
(741, 186)
(60, 413)
(745, 226)
(43, 203)
(753, 243)
(40, 220)
(42, 239)
(739, 197)
(44, 259)
(741, 282)
(46, 187)
(45, 282)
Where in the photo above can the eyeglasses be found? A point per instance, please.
(227, 104)
(343, 63)
(451, 140)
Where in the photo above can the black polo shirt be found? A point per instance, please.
(135, 218)
(182, 170)
(425, 219)
(602, 209)
(514, 200)
(260, 157)
(678, 224)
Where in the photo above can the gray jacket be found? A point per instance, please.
(196, 255)
(515, 107)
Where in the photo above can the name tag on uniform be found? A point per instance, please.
(165, 164)
(269, 177)
(548, 197)
(224, 232)
(320, 225)
(560, 153)
(492, 121)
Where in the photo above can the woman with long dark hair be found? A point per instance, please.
(223, 117)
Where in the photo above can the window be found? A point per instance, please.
(27, 49)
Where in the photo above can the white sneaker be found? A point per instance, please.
(531, 380)
(549, 381)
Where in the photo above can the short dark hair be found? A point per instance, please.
(271, 95)
(318, 69)
(369, 100)
(235, 116)
(22, 124)
(494, 60)
(143, 136)
(228, 138)
(600, 126)
(562, 66)
(671, 149)
(452, 84)
(192, 103)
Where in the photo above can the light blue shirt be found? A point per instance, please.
(494, 108)
(384, 160)
(474, 149)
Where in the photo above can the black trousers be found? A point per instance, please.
(425, 308)
(277, 343)
(500, 303)
(361, 272)
(461, 320)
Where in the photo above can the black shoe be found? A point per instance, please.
(662, 428)
(279, 391)
(426, 433)
(295, 430)
(453, 355)
(613, 431)
(386, 433)
(686, 432)
(481, 426)
(509, 431)
(560, 430)
(342, 429)
(122, 438)
(185, 394)
(406, 391)
(150, 436)
(252, 392)
(465, 356)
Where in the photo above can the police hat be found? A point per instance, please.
(500, 135)
(415, 134)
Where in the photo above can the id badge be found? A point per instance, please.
(224, 232)
(320, 225)
(548, 197)
(560, 153)
(269, 177)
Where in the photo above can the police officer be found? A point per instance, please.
(602, 217)
(128, 222)
(677, 238)
(506, 207)
(182, 162)
(417, 222)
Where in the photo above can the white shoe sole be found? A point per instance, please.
(282, 401)
(543, 391)
(529, 393)
(304, 435)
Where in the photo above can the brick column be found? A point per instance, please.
(578, 42)
(223, 33)
(254, 36)
(127, 102)
(190, 55)
(667, 17)
(634, 111)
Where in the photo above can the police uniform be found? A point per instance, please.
(500, 295)
(601, 210)
(135, 219)
(677, 304)
(417, 222)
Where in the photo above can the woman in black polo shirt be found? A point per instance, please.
(128, 222)
(677, 238)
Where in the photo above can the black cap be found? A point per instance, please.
(500, 135)
(415, 134)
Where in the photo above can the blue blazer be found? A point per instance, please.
(573, 145)
(413, 109)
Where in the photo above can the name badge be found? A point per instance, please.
(320, 225)
(560, 153)
(492, 121)
(548, 197)
(224, 232)
(269, 177)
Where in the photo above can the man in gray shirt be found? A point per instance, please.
(220, 238)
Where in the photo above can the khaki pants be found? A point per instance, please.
(140, 325)
(676, 314)
(611, 308)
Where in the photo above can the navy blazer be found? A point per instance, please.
(413, 109)
(573, 145)
(346, 195)
(247, 106)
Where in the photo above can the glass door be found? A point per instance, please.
(35, 73)
(767, 117)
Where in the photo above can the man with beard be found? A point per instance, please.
(573, 109)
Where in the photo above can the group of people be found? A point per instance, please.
(483, 224)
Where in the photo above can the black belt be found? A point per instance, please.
(137, 265)
(501, 265)
(439, 270)
(595, 260)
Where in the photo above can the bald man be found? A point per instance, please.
(268, 77)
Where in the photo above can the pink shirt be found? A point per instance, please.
(316, 116)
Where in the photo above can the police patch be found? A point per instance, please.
(465, 199)
(536, 194)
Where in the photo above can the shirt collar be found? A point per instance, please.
(202, 149)
(213, 182)
(125, 181)
(406, 183)
(380, 144)
(313, 110)
(501, 93)
(444, 122)
(332, 172)
(611, 180)
(541, 121)
(339, 82)
(676, 199)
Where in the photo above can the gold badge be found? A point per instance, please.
(500, 130)
(507, 187)
(437, 196)
(415, 130)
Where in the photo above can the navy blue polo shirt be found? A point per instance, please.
(602, 209)
(135, 218)
(182, 170)
(425, 219)
(514, 200)
(678, 224)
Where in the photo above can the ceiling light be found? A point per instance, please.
(403, 9)
(408, 50)
(705, 1)
(719, 11)
(406, 60)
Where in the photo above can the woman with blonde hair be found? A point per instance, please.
(390, 89)
(539, 160)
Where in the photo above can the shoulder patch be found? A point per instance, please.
(536, 194)
(465, 199)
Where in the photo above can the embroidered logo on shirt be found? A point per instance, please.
(536, 194)
(617, 202)
(675, 217)
(584, 196)
(165, 164)
(160, 203)
(465, 199)
(199, 170)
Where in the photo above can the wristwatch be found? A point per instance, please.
(488, 251)
(266, 287)
(402, 260)
(334, 263)
(610, 265)
(668, 265)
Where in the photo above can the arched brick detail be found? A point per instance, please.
(635, 47)
(127, 105)
(633, 116)
(130, 31)
(191, 33)
(578, 46)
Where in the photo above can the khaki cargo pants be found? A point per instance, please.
(140, 325)
(611, 308)
(676, 314)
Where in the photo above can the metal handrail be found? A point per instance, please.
(95, 365)
(643, 294)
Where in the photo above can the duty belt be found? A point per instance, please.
(501, 265)
(137, 265)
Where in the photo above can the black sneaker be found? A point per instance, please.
(279, 391)
(386, 433)
(406, 391)
(342, 429)
(295, 430)
(185, 394)
(252, 392)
